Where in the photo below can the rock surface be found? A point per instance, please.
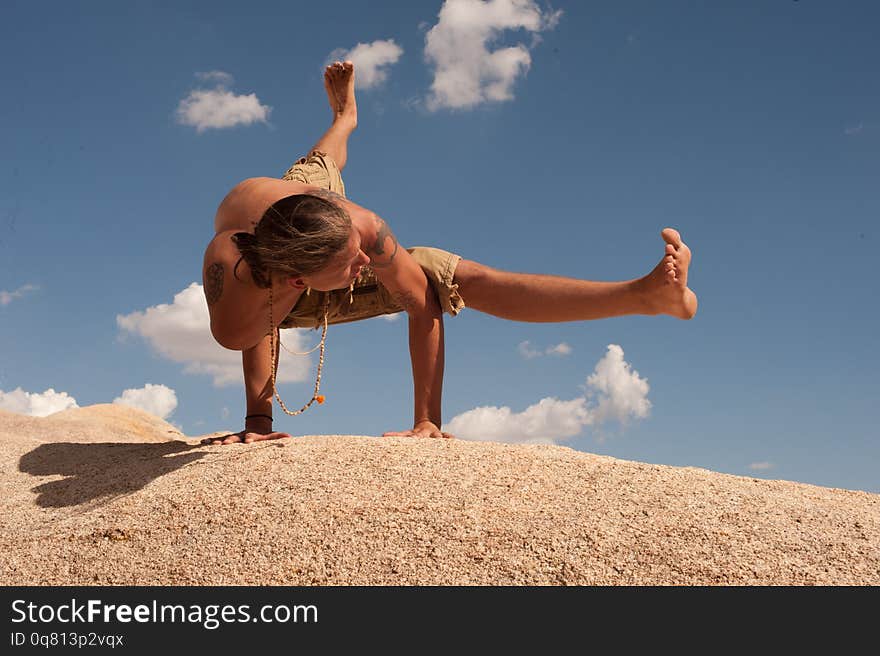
(110, 495)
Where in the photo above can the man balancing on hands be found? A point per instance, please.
(295, 252)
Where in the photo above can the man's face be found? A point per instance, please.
(343, 268)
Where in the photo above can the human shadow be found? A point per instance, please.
(98, 470)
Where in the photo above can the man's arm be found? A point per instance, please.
(426, 350)
(258, 385)
(258, 390)
(406, 281)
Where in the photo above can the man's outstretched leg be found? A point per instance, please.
(543, 298)
(339, 83)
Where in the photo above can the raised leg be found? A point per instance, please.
(544, 298)
(339, 84)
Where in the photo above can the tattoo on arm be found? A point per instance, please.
(382, 253)
(214, 283)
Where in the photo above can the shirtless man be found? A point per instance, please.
(239, 307)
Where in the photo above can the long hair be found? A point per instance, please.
(296, 236)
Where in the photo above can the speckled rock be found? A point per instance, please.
(110, 495)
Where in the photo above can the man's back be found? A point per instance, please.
(249, 199)
(238, 308)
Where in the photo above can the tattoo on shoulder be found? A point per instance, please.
(382, 252)
(214, 283)
(406, 300)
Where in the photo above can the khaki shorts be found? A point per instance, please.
(369, 298)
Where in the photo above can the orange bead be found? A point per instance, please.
(320, 398)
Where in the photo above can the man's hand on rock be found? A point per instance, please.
(245, 436)
(421, 429)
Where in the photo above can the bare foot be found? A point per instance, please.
(666, 286)
(339, 83)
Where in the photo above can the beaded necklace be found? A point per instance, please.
(275, 334)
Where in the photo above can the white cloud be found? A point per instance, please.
(221, 77)
(34, 404)
(559, 350)
(546, 422)
(7, 297)
(181, 332)
(224, 413)
(528, 352)
(218, 107)
(854, 129)
(622, 395)
(761, 466)
(371, 61)
(466, 72)
(393, 317)
(158, 400)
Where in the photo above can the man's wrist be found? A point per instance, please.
(258, 423)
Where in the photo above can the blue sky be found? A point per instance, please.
(751, 127)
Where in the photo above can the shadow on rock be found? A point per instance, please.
(99, 470)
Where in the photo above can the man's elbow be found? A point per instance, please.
(227, 339)
(232, 345)
(428, 309)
